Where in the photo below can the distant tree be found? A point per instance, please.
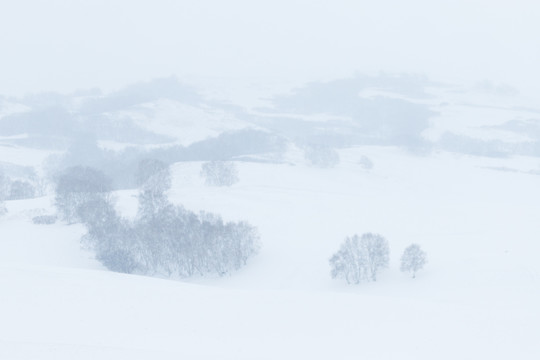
(230, 244)
(378, 253)
(110, 236)
(321, 156)
(118, 259)
(360, 258)
(155, 179)
(21, 189)
(349, 263)
(149, 168)
(219, 173)
(413, 259)
(3, 209)
(365, 163)
(77, 186)
(98, 214)
(163, 238)
(4, 185)
(173, 240)
(44, 219)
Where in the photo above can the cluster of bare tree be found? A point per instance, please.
(360, 258)
(20, 187)
(321, 156)
(163, 238)
(167, 239)
(219, 173)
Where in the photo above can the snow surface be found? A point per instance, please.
(477, 297)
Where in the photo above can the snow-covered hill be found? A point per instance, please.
(476, 217)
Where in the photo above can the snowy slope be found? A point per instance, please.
(454, 206)
(52, 313)
(476, 298)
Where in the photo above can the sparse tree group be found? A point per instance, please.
(25, 187)
(77, 189)
(170, 240)
(163, 238)
(360, 258)
(219, 173)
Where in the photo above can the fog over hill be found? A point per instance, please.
(269, 180)
(247, 204)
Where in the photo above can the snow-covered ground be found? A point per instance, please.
(477, 297)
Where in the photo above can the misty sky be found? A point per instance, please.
(63, 45)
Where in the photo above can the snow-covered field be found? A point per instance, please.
(477, 298)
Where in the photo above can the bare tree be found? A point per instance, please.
(77, 186)
(360, 258)
(365, 163)
(378, 253)
(413, 259)
(163, 239)
(321, 156)
(21, 189)
(152, 168)
(154, 177)
(349, 262)
(4, 185)
(4, 182)
(219, 173)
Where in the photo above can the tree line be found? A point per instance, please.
(168, 239)
(163, 238)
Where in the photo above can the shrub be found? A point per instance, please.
(44, 219)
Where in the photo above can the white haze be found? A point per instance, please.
(64, 45)
(235, 145)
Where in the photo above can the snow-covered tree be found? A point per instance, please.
(321, 156)
(349, 263)
(228, 245)
(219, 173)
(164, 238)
(413, 259)
(360, 258)
(378, 253)
(365, 163)
(153, 168)
(76, 186)
(110, 236)
(178, 241)
(155, 179)
(44, 219)
(21, 189)
(4, 185)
